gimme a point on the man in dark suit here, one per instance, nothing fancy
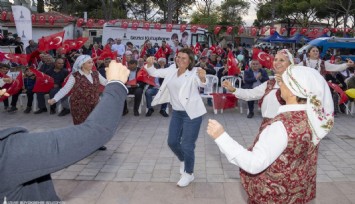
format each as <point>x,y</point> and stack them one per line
<point>27,159</point>
<point>253,77</point>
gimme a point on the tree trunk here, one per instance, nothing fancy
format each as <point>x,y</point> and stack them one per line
<point>171,5</point>
<point>40,6</point>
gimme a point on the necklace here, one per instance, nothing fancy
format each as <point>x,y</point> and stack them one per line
<point>317,64</point>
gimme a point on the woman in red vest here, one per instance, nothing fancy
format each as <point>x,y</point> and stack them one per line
<point>281,164</point>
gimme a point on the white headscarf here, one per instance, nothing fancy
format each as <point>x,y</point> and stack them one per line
<point>308,83</point>
<point>79,62</point>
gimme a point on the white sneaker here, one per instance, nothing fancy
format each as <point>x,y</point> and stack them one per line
<point>185,179</point>
<point>182,167</point>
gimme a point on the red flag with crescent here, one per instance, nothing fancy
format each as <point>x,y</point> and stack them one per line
<point>233,68</point>
<point>17,58</point>
<point>15,86</point>
<point>51,42</point>
<point>197,48</point>
<point>282,30</point>
<point>143,76</point>
<point>229,30</point>
<point>224,101</point>
<point>3,15</point>
<point>343,97</point>
<point>157,26</point>
<point>44,83</point>
<point>253,31</point>
<point>80,22</point>
<point>146,25</point>
<point>124,24</point>
<point>101,22</point>
<point>303,31</point>
<point>169,27</point>
<point>293,31</point>
<point>183,28</point>
<point>135,25</point>
<point>51,20</point>
<point>42,19</point>
<point>194,28</point>
<point>90,23</point>
<point>217,29</point>
<point>325,30</point>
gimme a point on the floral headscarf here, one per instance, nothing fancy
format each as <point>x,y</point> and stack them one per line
<point>79,62</point>
<point>287,53</point>
<point>309,84</point>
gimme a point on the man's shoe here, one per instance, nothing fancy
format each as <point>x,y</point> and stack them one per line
<point>64,112</point>
<point>28,110</point>
<point>136,113</point>
<point>163,113</point>
<point>6,108</point>
<point>12,110</point>
<point>185,179</point>
<point>103,148</point>
<point>125,112</point>
<point>150,112</point>
<point>250,115</point>
<point>52,111</point>
<point>41,111</point>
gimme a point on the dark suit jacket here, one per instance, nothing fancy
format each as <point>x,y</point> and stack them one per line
<point>249,78</point>
<point>27,159</point>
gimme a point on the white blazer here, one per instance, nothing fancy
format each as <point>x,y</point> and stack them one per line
<point>189,95</point>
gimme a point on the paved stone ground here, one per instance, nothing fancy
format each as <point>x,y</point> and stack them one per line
<point>138,166</point>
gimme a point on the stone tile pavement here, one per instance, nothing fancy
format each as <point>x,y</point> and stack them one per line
<point>138,166</point>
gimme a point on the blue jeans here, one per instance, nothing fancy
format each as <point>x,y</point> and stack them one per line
<point>149,93</point>
<point>183,133</point>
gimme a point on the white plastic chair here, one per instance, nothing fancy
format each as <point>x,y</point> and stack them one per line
<point>211,87</point>
<point>233,80</point>
<point>217,69</point>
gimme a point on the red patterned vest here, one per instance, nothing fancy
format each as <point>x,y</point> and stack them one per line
<point>84,97</point>
<point>270,86</point>
<point>292,177</point>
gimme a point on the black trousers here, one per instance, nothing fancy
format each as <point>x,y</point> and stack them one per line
<point>137,92</point>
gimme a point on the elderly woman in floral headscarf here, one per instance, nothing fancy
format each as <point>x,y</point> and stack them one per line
<point>268,92</point>
<point>83,84</point>
<point>281,165</point>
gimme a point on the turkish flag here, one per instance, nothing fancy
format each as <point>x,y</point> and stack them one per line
<point>303,31</point>
<point>169,27</point>
<point>114,21</point>
<point>34,57</point>
<point>42,19</point>
<point>95,53</point>
<point>217,29</point>
<point>44,83</point>
<point>229,30</point>
<point>241,30</point>
<point>143,76</point>
<point>347,30</point>
<point>334,30</point>
<point>17,58</point>
<point>265,59</point>
<point>233,68</point>
<point>33,18</point>
<point>51,20</point>
<point>325,30</point>
<point>3,15</point>
<point>124,60</point>
<point>80,42</point>
<point>143,51</point>
<point>253,31</point>
<point>182,27</point>
<point>15,86</point>
<point>135,25</point>
<point>224,101</point>
<point>219,50</point>
<point>204,53</point>
<point>160,53</point>
<point>272,30</point>
<point>157,26</point>
<point>293,31</point>
<point>282,30</point>
<point>51,42</point>
<point>69,45</point>
<point>146,25</point>
<point>213,48</point>
<point>197,48</point>
<point>132,82</point>
<point>107,53</point>
<point>101,22</point>
<point>124,24</point>
<point>337,89</point>
<point>194,28</point>
<point>80,22</point>
<point>90,23</point>
<point>263,30</point>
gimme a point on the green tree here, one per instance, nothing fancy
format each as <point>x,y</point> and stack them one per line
<point>40,6</point>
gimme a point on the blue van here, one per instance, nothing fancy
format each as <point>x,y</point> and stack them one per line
<point>345,47</point>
